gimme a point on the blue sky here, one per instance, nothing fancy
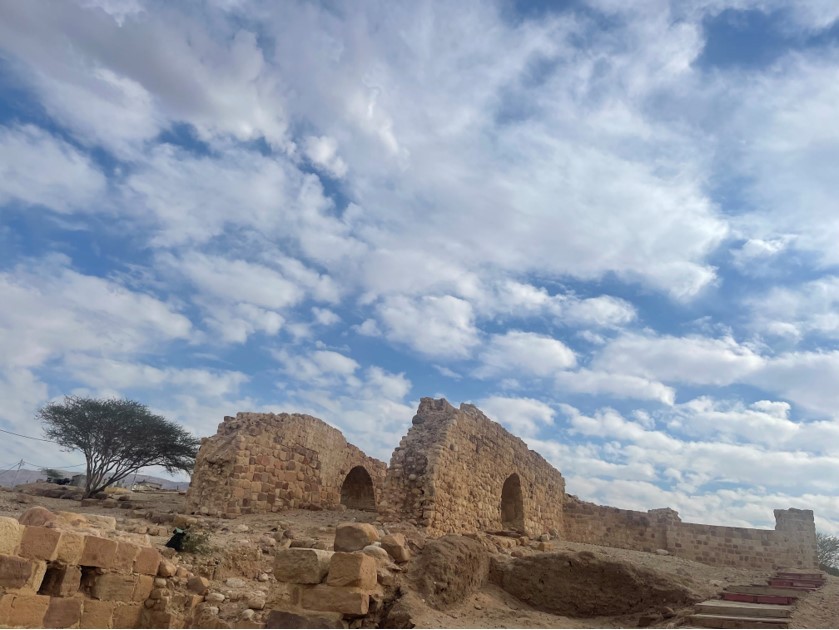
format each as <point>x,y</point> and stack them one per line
<point>610,225</point>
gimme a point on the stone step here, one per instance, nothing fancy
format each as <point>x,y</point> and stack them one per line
<point>742,609</point>
<point>724,621</point>
<point>756,598</point>
<point>809,585</point>
<point>765,589</point>
<point>795,575</point>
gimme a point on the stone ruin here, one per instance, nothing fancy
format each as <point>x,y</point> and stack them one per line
<point>457,471</point>
<point>270,462</point>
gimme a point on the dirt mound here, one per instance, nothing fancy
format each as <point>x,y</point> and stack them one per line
<point>582,584</point>
<point>450,569</point>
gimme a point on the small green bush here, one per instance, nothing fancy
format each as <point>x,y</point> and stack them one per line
<point>197,542</point>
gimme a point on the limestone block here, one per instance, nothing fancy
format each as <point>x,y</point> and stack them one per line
<point>114,587</point>
<point>39,543</point>
<point>147,561</point>
<point>198,584</point>
<point>10,534</point>
<point>143,588</point>
<point>396,546</point>
<point>124,558</point>
<point>98,552</point>
<point>63,612</point>
<point>345,600</point>
<point>70,547</point>
<point>127,615</point>
<point>61,581</point>
<point>21,573</point>
<point>283,619</point>
<point>166,569</point>
<point>301,566</point>
<point>352,569</point>
<point>26,611</point>
<point>354,536</point>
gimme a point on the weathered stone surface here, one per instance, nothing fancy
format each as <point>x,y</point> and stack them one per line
<point>10,534</point>
<point>142,588</point>
<point>70,547</point>
<point>97,614</point>
<point>348,601</point>
<point>260,463</point>
<point>20,573</point>
<point>61,581</point>
<point>396,546</point>
<point>127,615</point>
<point>147,561</point>
<point>63,612</point>
<point>39,543</point>
<point>283,619</point>
<point>166,569</point>
<point>377,553</point>
<point>98,552</point>
<point>301,566</point>
<point>37,516</point>
<point>114,587</point>
<point>24,610</point>
<point>352,569</point>
<point>198,584</point>
<point>354,536</point>
<point>125,555</point>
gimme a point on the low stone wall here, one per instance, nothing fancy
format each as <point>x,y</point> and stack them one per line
<point>792,544</point>
<point>458,471</point>
<point>269,462</point>
<point>61,578</point>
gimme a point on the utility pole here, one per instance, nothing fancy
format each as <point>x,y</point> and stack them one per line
<point>14,479</point>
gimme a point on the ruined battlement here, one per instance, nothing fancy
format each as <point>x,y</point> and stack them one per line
<point>265,462</point>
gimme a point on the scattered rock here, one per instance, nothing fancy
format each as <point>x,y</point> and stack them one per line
<point>377,553</point>
<point>396,546</point>
<point>199,585</point>
<point>264,577</point>
<point>256,601</point>
<point>241,528</point>
<point>248,614</point>
<point>662,552</point>
<point>214,597</point>
<point>354,536</point>
<point>235,582</point>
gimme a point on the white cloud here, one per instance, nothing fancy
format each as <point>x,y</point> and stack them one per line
<point>434,326</point>
<point>809,308</point>
<point>619,385</point>
<point>518,352</point>
<point>522,416</point>
<point>38,169</point>
<point>323,152</point>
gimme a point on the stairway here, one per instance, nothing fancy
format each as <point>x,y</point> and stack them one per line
<point>757,605</point>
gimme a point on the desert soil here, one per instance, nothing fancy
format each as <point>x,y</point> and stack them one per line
<point>490,607</point>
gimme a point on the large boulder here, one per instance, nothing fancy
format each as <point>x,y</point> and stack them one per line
<point>354,536</point>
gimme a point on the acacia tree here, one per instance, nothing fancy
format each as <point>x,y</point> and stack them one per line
<point>828,549</point>
<point>117,437</point>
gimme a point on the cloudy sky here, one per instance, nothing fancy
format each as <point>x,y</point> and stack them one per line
<point>613,226</point>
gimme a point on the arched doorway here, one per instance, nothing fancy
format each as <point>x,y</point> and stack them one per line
<point>512,504</point>
<point>357,490</point>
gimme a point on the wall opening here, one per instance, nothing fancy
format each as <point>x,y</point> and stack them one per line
<point>357,490</point>
<point>512,504</point>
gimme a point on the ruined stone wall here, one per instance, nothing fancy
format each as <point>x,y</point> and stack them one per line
<point>458,471</point>
<point>792,544</point>
<point>268,462</point>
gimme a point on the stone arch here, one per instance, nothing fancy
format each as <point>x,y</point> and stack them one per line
<point>512,504</point>
<point>357,491</point>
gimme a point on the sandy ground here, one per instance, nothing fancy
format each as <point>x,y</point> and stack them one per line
<point>491,607</point>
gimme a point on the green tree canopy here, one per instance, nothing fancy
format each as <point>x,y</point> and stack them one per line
<point>117,437</point>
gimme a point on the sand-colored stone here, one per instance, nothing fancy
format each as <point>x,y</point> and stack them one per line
<point>348,601</point>
<point>125,555</point>
<point>147,561</point>
<point>21,573</point>
<point>301,566</point>
<point>61,581</point>
<point>352,569</point>
<point>70,547</point>
<point>98,552</point>
<point>39,543</point>
<point>11,532</point>
<point>354,536</point>
<point>26,611</point>
<point>114,587</point>
<point>63,612</point>
<point>97,614</point>
<point>397,547</point>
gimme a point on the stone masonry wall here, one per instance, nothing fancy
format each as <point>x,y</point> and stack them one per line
<point>792,544</point>
<point>449,472</point>
<point>269,462</point>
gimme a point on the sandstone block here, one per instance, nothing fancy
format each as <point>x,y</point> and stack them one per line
<point>96,614</point>
<point>283,619</point>
<point>127,615</point>
<point>61,581</point>
<point>301,566</point>
<point>377,553</point>
<point>166,569</point>
<point>98,552</point>
<point>70,547</point>
<point>39,543</point>
<point>10,534</point>
<point>198,584</point>
<point>147,561</point>
<point>345,600</point>
<point>37,516</point>
<point>396,546</point>
<point>26,611</point>
<point>143,588</point>
<point>114,587</point>
<point>63,612</point>
<point>352,569</point>
<point>125,556</point>
<point>19,573</point>
<point>354,536</point>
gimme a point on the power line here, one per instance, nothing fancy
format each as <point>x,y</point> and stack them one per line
<point>28,437</point>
